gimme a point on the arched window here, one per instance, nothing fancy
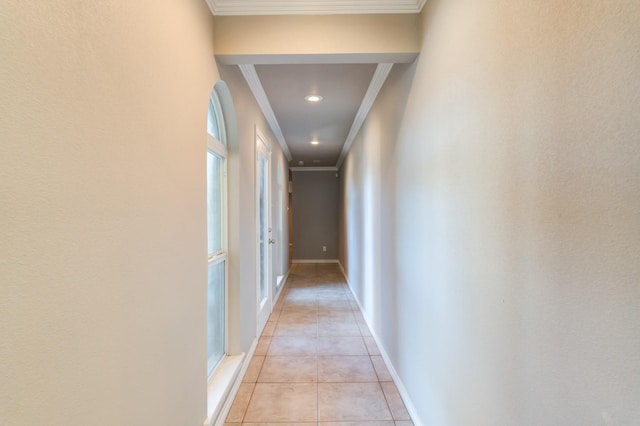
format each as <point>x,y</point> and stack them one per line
<point>215,119</point>
<point>216,234</point>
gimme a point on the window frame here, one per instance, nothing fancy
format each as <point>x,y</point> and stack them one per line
<point>219,148</point>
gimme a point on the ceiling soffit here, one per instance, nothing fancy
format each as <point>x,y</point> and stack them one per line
<point>383,33</point>
<point>343,86</point>
<point>335,143</point>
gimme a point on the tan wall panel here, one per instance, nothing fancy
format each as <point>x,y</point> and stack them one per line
<point>326,34</point>
<point>103,272</point>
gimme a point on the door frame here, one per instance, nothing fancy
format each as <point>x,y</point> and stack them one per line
<point>263,305</point>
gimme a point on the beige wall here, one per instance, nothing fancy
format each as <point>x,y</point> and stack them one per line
<point>506,197</point>
<point>102,218</point>
<point>367,212</point>
<point>264,37</point>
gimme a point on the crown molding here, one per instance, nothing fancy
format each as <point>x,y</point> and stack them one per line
<point>313,7</point>
<point>250,74</point>
<point>379,77</point>
<point>313,169</point>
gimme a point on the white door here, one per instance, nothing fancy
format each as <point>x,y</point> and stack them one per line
<point>265,238</point>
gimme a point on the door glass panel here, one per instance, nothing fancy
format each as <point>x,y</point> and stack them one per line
<point>264,237</point>
<point>215,315</point>
<point>214,203</point>
<point>263,231</point>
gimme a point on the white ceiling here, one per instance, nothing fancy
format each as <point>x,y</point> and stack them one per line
<point>313,7</point>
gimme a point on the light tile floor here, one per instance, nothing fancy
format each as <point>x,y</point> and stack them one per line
<point>316,362</point>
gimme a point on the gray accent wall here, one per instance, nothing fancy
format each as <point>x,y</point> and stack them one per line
<point>315,215</point>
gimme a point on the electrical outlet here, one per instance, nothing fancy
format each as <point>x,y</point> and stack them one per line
<point>324,248</point>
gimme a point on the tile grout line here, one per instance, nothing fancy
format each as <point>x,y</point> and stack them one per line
<point>384,394</point>
<point>317,361</point>
<point>255,384</point>
<point>316,282</point>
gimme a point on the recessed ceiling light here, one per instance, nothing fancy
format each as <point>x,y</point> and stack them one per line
<point>301,163</point>
<point>314,142</point>
<point>313,98</point>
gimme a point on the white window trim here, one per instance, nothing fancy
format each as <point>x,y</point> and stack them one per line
<point>224,380</point>
<point>218,148</point>
<point>217,110</point>
<point>220,387</point>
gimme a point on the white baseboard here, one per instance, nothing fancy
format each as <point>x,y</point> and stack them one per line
<point>279,288</point>
<point>315,261</point>
<point>394,374</point>
<point>346,277</point>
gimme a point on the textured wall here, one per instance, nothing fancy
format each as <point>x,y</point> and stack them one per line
<point>506,197</point>
<point>367,212</point>
<point>315,215</point>
<point>102,181</point>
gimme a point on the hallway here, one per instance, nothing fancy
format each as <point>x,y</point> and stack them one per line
<point>470,168</point>
<point>316,362</point>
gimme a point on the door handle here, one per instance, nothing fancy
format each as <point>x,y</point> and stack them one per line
<point>272,241</point>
